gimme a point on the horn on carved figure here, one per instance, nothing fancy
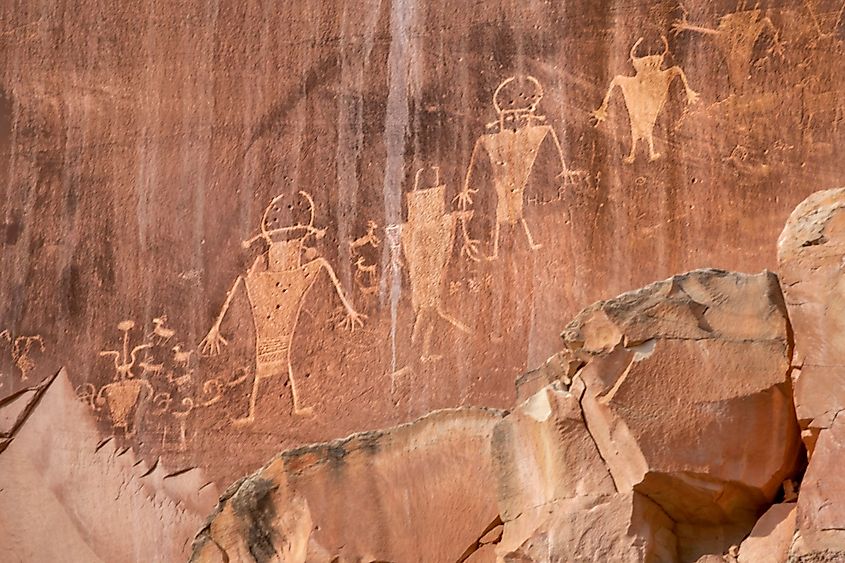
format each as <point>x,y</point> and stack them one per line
<point>633,53</point>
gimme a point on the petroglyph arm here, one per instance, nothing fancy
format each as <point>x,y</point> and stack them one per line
<point>683,24</point>
<point>114,354</point>
<point>464,198</point>
<point>469,246</point>
<point>353,318</point>
<point>565,172</point>
<point>692,95</point>
<point>210,345</point>
<point>600,114</point>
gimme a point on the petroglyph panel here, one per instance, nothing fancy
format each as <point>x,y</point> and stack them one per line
<point>200,204</point>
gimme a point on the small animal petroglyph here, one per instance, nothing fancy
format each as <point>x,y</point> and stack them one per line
<point>512,147</point>
<point>181,357</point>
<point>366,274</point>
<point>645,95</point>
<point>276,286</point>
<point>160,332</point>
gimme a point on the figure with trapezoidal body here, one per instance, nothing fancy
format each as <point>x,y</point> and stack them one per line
<point>426,240</point>
<point>276,287</point>
<point>645,94</point>
<point>512,148</point>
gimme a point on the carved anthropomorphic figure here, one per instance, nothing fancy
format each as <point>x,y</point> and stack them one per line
<point>276,286</point>
<point>735,36</point>
<point>426,240</point>
<point>645,94</point>
<point>123,395</point>
<point>512,148</point>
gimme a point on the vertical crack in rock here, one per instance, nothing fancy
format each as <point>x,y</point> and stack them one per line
<point>581,390</point>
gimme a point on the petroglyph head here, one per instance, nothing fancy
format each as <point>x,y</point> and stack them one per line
<point>648,63</point>
<point>516,100</point>
<point>291,221</point>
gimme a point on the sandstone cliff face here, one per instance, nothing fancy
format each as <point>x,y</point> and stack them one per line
<point>452,180</point>
<point>241,228</point>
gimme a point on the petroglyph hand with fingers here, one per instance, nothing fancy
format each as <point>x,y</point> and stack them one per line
<point>464,198</point>
<point>212,343</point>
<point>352,320</point>
<point>600,114</point>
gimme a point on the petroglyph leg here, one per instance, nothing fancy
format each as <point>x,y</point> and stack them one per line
<point>495,254</point>
<point>531,243</point>
<point>453,321</point>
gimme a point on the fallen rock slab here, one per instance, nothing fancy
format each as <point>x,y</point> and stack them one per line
<point>423,491</point>
<point>687,396</point>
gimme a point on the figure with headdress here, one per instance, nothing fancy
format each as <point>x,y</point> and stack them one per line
<point>512,146</point>
<point>276,286</point>
<point>645,94</point>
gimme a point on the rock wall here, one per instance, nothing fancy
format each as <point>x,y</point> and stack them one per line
<point>241,228</point>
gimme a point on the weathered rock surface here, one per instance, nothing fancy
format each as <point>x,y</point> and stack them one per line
<point>68,495</point>
<point>771,537</point>
<point>661,433</point>
<point>685,390</point>
<point>811,250</point>
<point>418,492</point>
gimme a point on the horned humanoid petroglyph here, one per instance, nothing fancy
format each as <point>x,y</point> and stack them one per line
<point>735,36</point>
<point>426,242</point>
<point>645,94</point>
<point>512,147</point>
<point>276,286</point>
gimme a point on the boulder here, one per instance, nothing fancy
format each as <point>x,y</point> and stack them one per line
<point>422,491</point>
<point>821,510</point>
<point>811,254</point>
<point>621,527</point>
<point>687,396</point>
<point>771,537</point>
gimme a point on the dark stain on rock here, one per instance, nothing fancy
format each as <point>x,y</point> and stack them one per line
<point>10,231</point>
<point>73,291</point>
<point>253,504</point>
<point>5,136</point>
